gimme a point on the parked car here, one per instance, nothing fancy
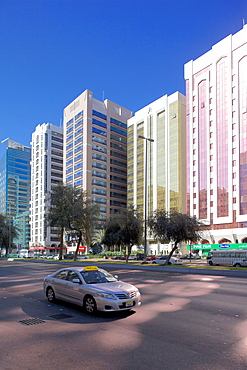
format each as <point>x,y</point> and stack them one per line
<point>83,257</point>
<point>240,263</point>
<point>91,287</point>
<point>12,255</point>
<point>133,257</point>
<point>118,257</point>
<point>69,256</point>
<point>151,258</point>
<point>190,256</point>
<point>162,260</point>
<point>38,255</point>
<point>50,256</point>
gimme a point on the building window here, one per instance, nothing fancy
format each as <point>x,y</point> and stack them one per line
<point>99,123</point>
<point>121,132</point>
<point>98,114</point>
<point>98,131</point>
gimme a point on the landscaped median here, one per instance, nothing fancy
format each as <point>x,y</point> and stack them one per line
<point>139,265</point>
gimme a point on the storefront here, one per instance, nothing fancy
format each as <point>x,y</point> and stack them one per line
<point>203,249</point>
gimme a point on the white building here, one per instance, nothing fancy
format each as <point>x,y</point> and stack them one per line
<point>46,171</point>
<point>164,122</point>
<point>216,102</point>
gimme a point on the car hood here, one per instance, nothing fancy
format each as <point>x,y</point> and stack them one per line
<point>113,287</point>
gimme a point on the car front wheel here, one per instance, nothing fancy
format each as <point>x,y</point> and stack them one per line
<point>237,265</point>
<point>50,294</point>
<point>90,304</point>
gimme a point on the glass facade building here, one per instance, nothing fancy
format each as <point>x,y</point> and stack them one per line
<point>15,188</point>
<point>163,121</point>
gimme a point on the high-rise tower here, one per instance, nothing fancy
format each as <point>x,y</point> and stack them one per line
<point>95,151</point>
<point>15,188</point>
<point>47,171</point>
<point>216,103</point>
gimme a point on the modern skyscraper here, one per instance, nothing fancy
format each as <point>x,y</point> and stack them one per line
<point>164,122</point>
<point>216,103</point>
<point>15,188</point>
<point>95,151</point>
<point>47,171</point>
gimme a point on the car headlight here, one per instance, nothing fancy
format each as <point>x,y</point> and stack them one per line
<point>106,295</point>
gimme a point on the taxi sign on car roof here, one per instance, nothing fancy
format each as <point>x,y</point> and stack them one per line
<point>90,268</point>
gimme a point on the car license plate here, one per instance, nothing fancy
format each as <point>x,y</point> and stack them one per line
<point>129,304</point>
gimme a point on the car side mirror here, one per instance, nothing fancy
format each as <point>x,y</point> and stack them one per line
<point>77,281</point>
<point>116,277</point>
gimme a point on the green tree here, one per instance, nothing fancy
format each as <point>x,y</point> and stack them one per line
<point>126,229</point>
<point>131,230</point>
<point>111,234</point>
<point>7,233</point>
<point>84,219</point>
<point>175,227</point>
<point>61,202</point>
<point>96,245</point>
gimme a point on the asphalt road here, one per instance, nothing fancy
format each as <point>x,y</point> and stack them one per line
<point>186,321</point>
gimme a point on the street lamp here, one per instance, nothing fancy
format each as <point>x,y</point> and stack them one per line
<point>145,193</point>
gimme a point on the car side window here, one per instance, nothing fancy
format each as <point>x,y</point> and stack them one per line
<point>61,275</point>
<point>72,275</point>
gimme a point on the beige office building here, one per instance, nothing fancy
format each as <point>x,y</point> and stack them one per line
<point>95,151</point>
<point>164,122</point>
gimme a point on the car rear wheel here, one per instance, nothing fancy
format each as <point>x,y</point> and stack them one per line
<point>210,263</point>
<point>89,304</point>
<point>50,294</point>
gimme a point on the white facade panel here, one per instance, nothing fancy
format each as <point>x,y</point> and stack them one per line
<point>46,171</point>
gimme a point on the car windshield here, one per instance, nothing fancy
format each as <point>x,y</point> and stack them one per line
<point>96,277</point>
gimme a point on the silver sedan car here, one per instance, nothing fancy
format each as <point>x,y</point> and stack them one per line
<point>91,287</point>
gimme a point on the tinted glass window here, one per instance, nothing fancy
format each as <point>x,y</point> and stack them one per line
<point>73,275</point>
<point>61,275</point>
<point>100,276</point>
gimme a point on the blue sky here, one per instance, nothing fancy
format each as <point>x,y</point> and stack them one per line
<point>131,52</point>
